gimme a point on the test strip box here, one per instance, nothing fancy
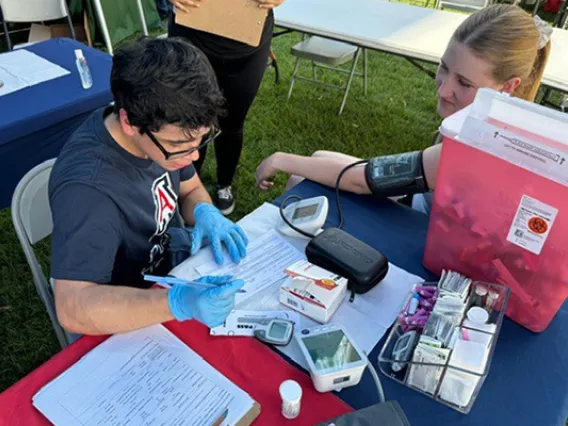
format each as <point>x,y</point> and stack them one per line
<point>500,211</point>
<point>312,291</point>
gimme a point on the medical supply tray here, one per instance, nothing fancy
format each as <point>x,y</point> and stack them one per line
<point>386,359</point>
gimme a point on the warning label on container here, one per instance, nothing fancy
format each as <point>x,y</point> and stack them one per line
<point>532,224</point>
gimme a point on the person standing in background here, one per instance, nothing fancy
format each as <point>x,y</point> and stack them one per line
<point>239,69</point>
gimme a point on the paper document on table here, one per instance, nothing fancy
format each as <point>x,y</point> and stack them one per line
<point>20,69</point>
<point>145,377</point>
<point>366,319</point>
<point>263,266</point>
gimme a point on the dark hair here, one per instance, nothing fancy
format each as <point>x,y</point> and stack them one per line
<point>160,81</point>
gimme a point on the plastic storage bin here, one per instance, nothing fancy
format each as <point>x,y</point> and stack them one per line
<point>455,387</point>
<point>500,210</point>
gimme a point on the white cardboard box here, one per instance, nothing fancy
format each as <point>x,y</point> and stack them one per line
<point>312,291</point>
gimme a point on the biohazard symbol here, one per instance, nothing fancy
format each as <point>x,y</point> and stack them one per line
<point>538,225</point>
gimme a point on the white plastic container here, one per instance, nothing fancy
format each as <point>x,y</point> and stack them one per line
<point>83,68</point>
<point>291,394</point>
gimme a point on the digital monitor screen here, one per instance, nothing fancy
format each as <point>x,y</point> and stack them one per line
<point>331,350</point>
<point>305,211</point>
<point>278,330</point>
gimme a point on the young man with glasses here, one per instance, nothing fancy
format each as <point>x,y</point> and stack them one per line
<point>117,188</point>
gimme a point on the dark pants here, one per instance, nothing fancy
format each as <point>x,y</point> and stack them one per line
<point>239,80</point>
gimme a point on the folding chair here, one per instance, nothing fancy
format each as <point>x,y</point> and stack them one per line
<point>104,27</point>
<point>329,54</point>
<point>33,11</point>
<point>31,216</point>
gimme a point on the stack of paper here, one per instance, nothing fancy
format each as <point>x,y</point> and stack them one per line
<point>146,377</point>
<point>20,69</point>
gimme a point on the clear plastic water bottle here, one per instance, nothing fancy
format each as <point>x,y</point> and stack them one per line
<point>83,68</point>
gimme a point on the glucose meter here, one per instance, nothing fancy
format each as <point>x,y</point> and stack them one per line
<point>308,215</point>
<point>334,360</point>
<point>275,332</point>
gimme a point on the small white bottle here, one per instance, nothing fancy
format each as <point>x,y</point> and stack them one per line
<point>83,68</point>
<point>291,394</point>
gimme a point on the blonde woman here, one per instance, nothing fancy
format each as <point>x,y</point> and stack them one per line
<point>501,47</point>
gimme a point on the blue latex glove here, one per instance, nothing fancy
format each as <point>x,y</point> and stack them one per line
<point>211,224</point>
<point>209,306</point>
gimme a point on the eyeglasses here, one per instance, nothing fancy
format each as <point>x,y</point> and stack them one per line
<point>213,134</point>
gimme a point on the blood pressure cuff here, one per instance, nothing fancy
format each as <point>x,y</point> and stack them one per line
<point>398,174</point>
<point>387,413</point>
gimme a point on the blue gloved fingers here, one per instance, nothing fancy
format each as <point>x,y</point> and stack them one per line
<point>222,305</point>
<point>226,291</point>
<point>241,245</point>
<point>182,301</point>
<point>212,279</point>
<point>196,240</point>
<point>242,234</point>
<point>217,250</point>
<point>232,248</point>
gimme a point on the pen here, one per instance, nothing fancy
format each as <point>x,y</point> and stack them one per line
<point>179,281</point>
<point>222,418</point>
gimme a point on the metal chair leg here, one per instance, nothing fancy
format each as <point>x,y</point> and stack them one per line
<point>314,71</point>
<point>142,17</point>
<point>348,86</point>
<point>365,81</point>
<point>103,24</point>
<point>69,21</point>
<point>6,34</point>
<point>293,76</point>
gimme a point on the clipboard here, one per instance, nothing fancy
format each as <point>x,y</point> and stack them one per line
<point>247,419</point>
<point>251,416</point>
<point>240,20</point>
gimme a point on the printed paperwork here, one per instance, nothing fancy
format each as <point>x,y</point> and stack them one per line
<point>366,319</point>
<point>20,69</point>
<point>267,257</point>
<point>145,377</point>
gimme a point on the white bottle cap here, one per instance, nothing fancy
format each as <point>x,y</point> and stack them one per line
<point>79,54</point>
<point>290,391</point>
<point>477,315</point>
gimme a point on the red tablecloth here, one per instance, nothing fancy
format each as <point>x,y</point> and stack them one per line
<point>254,367</point>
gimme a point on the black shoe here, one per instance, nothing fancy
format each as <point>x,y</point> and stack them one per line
<point>225,201</point>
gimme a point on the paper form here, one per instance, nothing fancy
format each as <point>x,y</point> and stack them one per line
<point>146,377</point>
<point>21,68</point>
<point>366,319</point>
<point>264,264</point>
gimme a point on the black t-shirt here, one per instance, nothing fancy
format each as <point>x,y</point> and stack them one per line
<point>218,47</point>
<point>110,209</point>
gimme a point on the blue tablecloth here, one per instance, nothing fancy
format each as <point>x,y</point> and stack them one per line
<point>35,122</point>
<point>528,380</point>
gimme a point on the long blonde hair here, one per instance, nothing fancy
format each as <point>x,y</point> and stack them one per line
<point>508,38</point>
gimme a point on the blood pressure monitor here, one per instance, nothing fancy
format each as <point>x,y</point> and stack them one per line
<point>308,215</point>
<point>334,360</point>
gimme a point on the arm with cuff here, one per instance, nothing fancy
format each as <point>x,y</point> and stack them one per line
<point>323,170</point>
<point>384,176</point>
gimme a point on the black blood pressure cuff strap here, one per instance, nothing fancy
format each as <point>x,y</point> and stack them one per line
<point>398,174</point>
